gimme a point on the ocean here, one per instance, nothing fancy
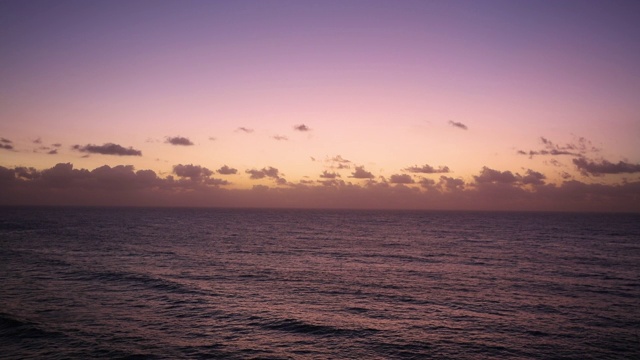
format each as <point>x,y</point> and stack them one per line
<point>174,283</point>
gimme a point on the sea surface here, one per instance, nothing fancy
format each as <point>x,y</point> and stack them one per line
<point>88,283</point>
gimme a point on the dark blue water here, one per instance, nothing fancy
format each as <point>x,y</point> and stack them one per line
<point>242,284</point>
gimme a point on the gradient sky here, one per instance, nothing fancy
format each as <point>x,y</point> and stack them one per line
<point>407,104</point>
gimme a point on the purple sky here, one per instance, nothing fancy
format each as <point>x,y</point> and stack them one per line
<point>526,104</point>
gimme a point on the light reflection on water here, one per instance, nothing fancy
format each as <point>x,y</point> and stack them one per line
<point>192,283</point>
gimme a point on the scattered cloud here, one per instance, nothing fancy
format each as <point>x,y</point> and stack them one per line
<point>244,130</point>
<point>604,167</point>
<point>6,144</point>
<point>280,138</point>
<point>401,179</point>
<point>225,170</point>
<point>107,149</point>
<point>361,173</point>
<point>458,125</point>
<point>555,163</point>
<point>198,175</point>
<point>194,172</point>
<point>329,175</point>
<point>178,140</point>
<point>339,159</point>
<point>37,141</point>
<point>427,169</point>
<point>488,175</point>
<point>579,147</point>
<point>211,138</point>
<point>301,127</point>
<point>338,162</point>
<point>491,176</point>
<point>56,145</point>
<point>268,172</point>
<point>53,152</point>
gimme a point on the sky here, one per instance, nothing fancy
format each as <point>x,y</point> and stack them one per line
<point>456,105</point>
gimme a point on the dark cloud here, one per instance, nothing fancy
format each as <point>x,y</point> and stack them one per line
<point>6,141</point>
<point>119,185</point>
<point>401,179</point>
<point>458,125</point>
<point>491,176</point>
<point>53,152</point>
<point>280,138</point>
<point>427,183</point>
<point>269,172</point>
<point>7,175</point>
<point>124,186</point>
<point>192,177</point>
<point>533,178</point>
<point>427,169</point>
<point>245,130</point>
<point>56,145</point>
<point>301,127</point>
<point>604,167</point>
<point>329,175</point>
<point>194,172</point>
<point>255,174</point>
<point>178,140</point>
<point>27,173</point>
<point>108,149</point>
<point>211,138</point>
<point>451,184</point>
<point>62,184</point>
<point>361,173</point>
<point>488,175</point>
<point>37,141</point>
<point>117,177</point>
<point>225,170</point>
